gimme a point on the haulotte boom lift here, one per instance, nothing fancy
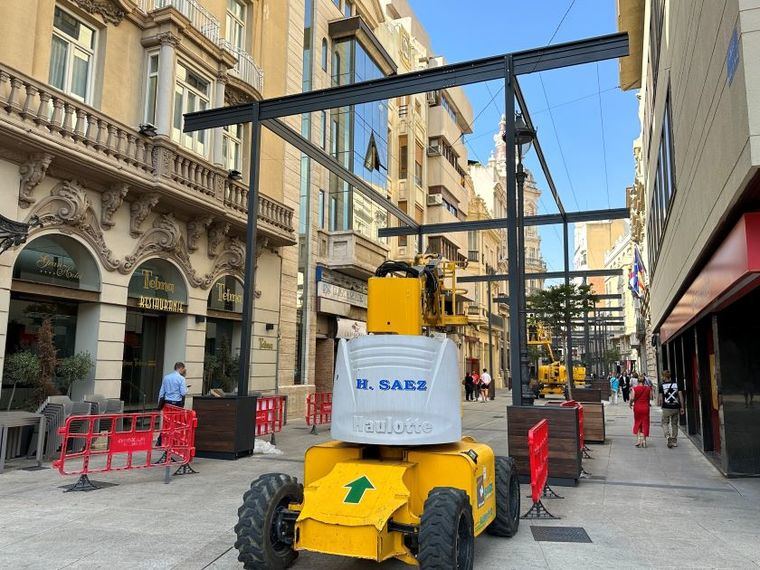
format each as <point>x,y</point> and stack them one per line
<point>399,480</point>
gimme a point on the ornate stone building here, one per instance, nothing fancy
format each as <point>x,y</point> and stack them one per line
<point>139,257</point>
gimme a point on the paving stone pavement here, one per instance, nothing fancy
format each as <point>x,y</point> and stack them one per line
<point>642,508</point>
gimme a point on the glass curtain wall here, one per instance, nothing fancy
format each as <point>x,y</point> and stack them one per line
<point>359,141</point>
<point>304,210</point>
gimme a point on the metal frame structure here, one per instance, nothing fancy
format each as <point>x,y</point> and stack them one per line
<point>507,67</point>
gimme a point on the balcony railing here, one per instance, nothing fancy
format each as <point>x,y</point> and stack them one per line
<point>74,131</point>
<point>246,69</point>
<point>204,21</point>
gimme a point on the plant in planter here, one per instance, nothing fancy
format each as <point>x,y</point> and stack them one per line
<point>73,368</point>
<point>21,367</point>
<point>48,355</point>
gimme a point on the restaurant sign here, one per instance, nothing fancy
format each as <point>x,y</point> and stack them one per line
<point>157,286</point>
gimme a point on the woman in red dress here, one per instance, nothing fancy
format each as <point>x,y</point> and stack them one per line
<point>640,405</point>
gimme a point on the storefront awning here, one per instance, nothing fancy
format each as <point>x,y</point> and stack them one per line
<point>733,270</point>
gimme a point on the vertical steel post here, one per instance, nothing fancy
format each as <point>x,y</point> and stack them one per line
<point>568,327</point>
<point>513,261</point>
<point>249,278</point>
<point>492,388</point>
<point>586,345</point>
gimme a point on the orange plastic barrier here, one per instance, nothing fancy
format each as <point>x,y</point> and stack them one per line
<point>121,442</point>
<point>269,415</point>
<point>318,408</point>
<point>538,452</point>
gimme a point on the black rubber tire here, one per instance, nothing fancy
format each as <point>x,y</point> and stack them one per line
<point>446,538</point>
<point>507,519</point>
<point>258,546</point>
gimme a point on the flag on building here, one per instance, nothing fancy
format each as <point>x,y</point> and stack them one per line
<point>637,277</point>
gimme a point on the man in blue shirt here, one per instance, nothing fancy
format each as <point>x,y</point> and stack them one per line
<point>173,387</point>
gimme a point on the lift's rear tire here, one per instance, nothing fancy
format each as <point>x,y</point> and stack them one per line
<point>507,518</point>
<point>260,543</point>
<point>446,538</point>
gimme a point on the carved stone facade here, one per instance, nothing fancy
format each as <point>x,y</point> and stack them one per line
<point>32,172</point>
<point>111,201</point>
<point>109,10</point>
<point>139,210</point>
<point>216,236</point>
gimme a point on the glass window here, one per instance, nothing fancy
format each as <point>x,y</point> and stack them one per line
<point>403,157</point>
<point>337,3</point>
<point>191,93</point>
<point>418,152</point>
<point>324,54</point>
<point>151,89</point>
<point>323,124</point>
<point>57,260</point>
<point>236,24</point>
<point>232,143</point>
<point>72,52</point>
<point>348,9</point>
<point>321,210</point>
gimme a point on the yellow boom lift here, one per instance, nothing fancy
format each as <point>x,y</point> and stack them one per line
<point>399,480</point>
<point>552,377</point>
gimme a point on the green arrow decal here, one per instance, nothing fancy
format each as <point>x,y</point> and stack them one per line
<point>356,489</point>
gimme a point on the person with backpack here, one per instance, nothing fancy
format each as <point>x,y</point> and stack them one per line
<point>469,387</point>
<point>670,399</point>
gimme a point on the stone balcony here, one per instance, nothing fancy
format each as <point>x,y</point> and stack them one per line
<point>351,253</point>
<point>37,119</point>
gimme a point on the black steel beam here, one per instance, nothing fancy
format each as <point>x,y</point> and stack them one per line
<point>611,296</point>
<point>475,71</point>
<point>539,151</point>
<point>317,154</point>
<point>542,275</point>
<point>499,223</point>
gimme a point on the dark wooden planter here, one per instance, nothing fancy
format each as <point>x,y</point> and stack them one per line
<point>593,422</point>
<point>603,386</point>
<point>587,395</point>
<point>564,453</point>
<point>226,426</point>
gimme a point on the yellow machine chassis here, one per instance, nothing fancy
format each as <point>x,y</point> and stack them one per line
<point>398,480</point>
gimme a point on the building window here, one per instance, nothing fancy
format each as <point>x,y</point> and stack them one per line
<point>232,143</point>
<point>449,108</point>
<point>337,3</point>
<point>321,210</point>
<point>236,23</point>
<point>663,188</point>
<point>191,93</point>
<point>348,9</point>
<point>418,152</point>
<point>72,52</point>
<point>450,207</point>
<point>403,158</point>
<point>151,89</point>
<point>323,124</point>
<point>324,54</point>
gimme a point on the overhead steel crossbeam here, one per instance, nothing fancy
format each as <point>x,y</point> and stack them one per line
<point>313,151</point>
<point>606,296</point>
<point>542,275</point>
<point>539,151</point>
<point>499,223</point>
<point>529,61</point>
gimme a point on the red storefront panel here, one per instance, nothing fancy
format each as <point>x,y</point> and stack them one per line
<point>733,270</point>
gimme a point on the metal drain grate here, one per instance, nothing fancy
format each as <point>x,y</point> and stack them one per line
<point>559,534</point>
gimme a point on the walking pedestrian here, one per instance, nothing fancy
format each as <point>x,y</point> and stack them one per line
<point>640,405</point>
<point>625,387</point>
<point>614,388</point>
<point>173,391</point>
<point>670,398</point>
<point>476,386</point>
<point>469,387</point>
<point>485,385</point>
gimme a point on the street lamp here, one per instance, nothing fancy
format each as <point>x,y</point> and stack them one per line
<point>524,137</point>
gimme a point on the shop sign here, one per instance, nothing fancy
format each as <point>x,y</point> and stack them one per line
<point>348,328</point>
<point>265,344</point>
<point>226,295</point>
<point>157,286</point>
<point>53,260</point>
<point>341,294</point>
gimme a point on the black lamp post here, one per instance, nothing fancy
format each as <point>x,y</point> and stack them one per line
<point>524,136</point>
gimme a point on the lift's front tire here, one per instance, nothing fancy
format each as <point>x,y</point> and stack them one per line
<point>507,518</point>
<point>446,539</point>
<point>260,541</point>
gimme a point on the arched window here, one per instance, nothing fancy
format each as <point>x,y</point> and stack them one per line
<point>324,54</point>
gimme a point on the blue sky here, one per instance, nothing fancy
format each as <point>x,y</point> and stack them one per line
<point>479,28</point>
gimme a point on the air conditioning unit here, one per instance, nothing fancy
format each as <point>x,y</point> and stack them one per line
<point>434,150</point>
<point>432,97</point>
<point>434,200</point>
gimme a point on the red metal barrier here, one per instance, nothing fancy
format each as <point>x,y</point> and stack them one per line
<point>120,442</point>
<point>574,404</point>
<point>318,409</point>
<point>538,451</point>
<point>269,415</point>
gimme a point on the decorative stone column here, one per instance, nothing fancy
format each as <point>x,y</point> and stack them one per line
<point>166,73</point>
